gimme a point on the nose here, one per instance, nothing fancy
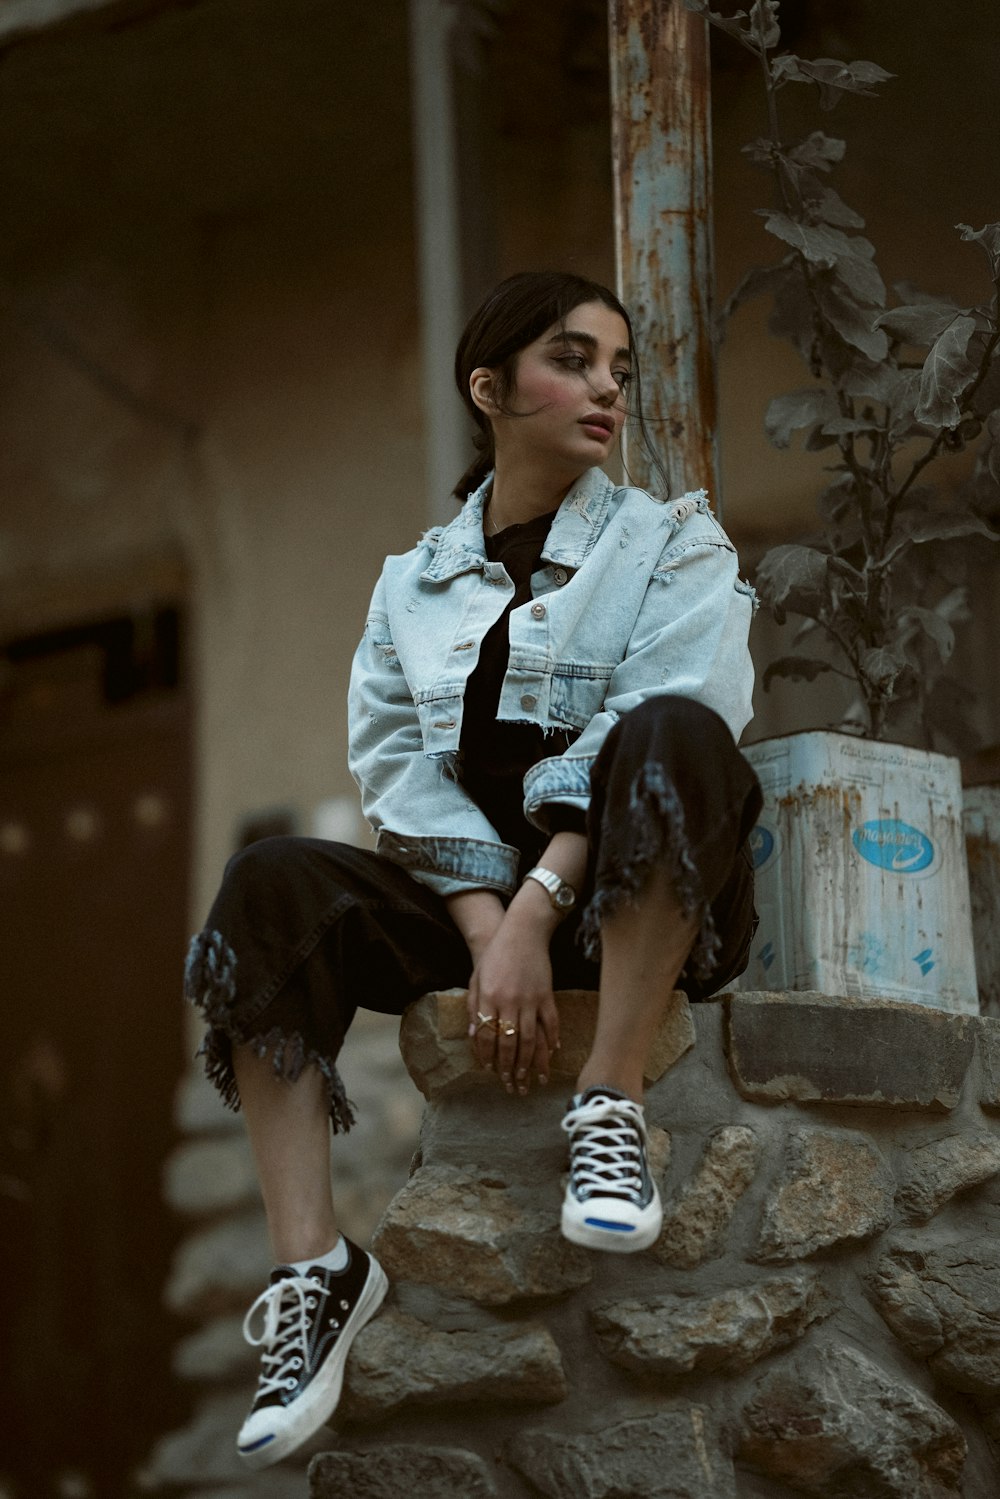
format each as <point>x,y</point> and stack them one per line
<point>606,387</point>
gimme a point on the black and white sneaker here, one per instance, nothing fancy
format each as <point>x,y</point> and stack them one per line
<point>611,1199</point>
<point>310,1322</point>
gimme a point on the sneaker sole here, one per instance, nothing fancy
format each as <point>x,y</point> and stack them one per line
<point>597,1224</point>
<point>323,1396</point>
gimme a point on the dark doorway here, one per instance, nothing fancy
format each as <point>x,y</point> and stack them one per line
<point>95,777</point>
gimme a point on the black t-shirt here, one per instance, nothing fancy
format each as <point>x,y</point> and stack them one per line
<point>494,756</point>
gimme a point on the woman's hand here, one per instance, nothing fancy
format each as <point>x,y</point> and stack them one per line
<point>512,984</point>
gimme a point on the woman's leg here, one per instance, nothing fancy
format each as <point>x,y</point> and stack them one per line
<point>673,802</point>
<point>644,948</point>
<point>289,1129</point>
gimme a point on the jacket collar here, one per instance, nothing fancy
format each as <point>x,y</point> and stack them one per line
<point>577,525</point>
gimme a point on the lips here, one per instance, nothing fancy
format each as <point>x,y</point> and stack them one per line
<point>598,419</point>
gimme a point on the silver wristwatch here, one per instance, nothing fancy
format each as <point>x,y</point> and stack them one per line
<point>562,895</point>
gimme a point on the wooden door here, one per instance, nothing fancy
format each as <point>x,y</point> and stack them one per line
<point>94,855</point>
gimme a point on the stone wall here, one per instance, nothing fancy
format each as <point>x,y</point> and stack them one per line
<point>821,1314</point>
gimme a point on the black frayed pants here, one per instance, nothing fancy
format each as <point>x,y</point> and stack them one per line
<point>303,931</point>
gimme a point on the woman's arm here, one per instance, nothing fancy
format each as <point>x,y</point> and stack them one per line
<point>512,976</point>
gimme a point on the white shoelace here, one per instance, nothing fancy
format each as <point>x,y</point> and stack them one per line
<point>285,1337</point>
<point>606,1139</point>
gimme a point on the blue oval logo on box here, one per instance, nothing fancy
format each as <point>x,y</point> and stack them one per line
<point>890,844</point>
<point>761,845</point>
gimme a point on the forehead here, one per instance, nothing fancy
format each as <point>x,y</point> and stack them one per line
<point>596,322</point>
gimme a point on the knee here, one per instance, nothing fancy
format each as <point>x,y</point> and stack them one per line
<point>257,861</point>
<point>667,720</point>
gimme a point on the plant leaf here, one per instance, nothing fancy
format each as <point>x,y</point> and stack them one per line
<point>946,374</point>
<point>832,77</point>
<point>881,666</point>
<point>817,243</point>
<point>800,408</point>
<point>852,322</point>
<point>818,151</point>
<point>930,623</point>
<point>764,23</point>
<point>988,237</point>
<point>757,282</point>
<point>793,576</point>
<point>918,324</point>
<point>830,208</point>
<point>859,274</point>
<point>911,529</point>
<point>796,668</point>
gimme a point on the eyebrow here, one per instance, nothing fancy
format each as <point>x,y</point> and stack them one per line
<point>566,336</point>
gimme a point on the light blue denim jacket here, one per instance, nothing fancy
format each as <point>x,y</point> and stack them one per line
<point>634,597</point>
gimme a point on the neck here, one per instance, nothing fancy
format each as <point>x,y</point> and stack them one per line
<point>520,493</point>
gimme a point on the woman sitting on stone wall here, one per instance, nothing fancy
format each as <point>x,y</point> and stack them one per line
<point>543,719</point>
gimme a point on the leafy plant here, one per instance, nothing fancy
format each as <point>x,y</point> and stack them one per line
<point>892,389</point>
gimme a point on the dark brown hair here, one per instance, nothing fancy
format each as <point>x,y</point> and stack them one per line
<point>513,315</point>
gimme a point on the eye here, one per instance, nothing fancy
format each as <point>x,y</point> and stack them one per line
<point>623,378</point>
<point>573,361</point>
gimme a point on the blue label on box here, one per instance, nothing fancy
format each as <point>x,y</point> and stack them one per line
<point>890,844</point>
<point>761,845</point>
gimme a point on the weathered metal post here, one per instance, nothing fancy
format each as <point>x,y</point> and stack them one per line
<point>661,150</point>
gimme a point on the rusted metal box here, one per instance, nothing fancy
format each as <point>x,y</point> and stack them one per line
<point>982,841</point>
<point>861,875</point>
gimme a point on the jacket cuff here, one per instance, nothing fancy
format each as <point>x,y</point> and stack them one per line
<point>450,865</point>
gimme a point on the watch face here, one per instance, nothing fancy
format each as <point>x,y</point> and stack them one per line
<point>564,897</point>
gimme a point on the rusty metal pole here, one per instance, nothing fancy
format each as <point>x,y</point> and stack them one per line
<point>662,164</point>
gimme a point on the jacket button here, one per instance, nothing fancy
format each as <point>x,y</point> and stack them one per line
<point>538,611</point>
<point>560,575</point>
<point>529,701</point>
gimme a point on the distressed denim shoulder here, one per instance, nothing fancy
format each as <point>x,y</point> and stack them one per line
<point>634,597</point>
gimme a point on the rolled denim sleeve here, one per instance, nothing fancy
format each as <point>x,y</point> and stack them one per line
<point>691,639</point>
<point>422,817</point>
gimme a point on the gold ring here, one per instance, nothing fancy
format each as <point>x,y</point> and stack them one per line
<point>508,1029</point>
<point>489,1022</point>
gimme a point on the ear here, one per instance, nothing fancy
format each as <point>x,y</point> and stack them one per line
<point>481,390</point>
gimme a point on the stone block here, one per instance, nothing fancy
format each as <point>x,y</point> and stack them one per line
<point>943,1304</point>
<point>214,1175</point>
<point>433,1039</point>
<point>390,1471</point>
<point>469,1234</point>
<point>935,1171</point>
<point>725,1331</point>
<point>696,1225</point>
<point>835,1189</point>
<point>831,1422</point>
<point>398,1361</point>
<point>220,1268</point>
<point>988,1048</point>
<point>813,1048</point>
<point>674,1454</point>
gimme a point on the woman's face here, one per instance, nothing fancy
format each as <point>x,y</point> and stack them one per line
<point>567,405</point>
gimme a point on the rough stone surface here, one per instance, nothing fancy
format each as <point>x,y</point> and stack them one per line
<point>836,1188</point>
<point>389,1472</point>
<point>726,1331</point>
<point>944,1306</point>
<point>220,1268</point>
<point>988,1048</point>
<point>672,1455</point>
<point>833,1423</point>
<point>397,1360</point>
<point>218,1351</point>
<point>696,1225</point>
<point>435,1045</point>
<point>934,1172</point>
<point>461,1232</point>
<point>211,1176</point>
<point>813,1048</point>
